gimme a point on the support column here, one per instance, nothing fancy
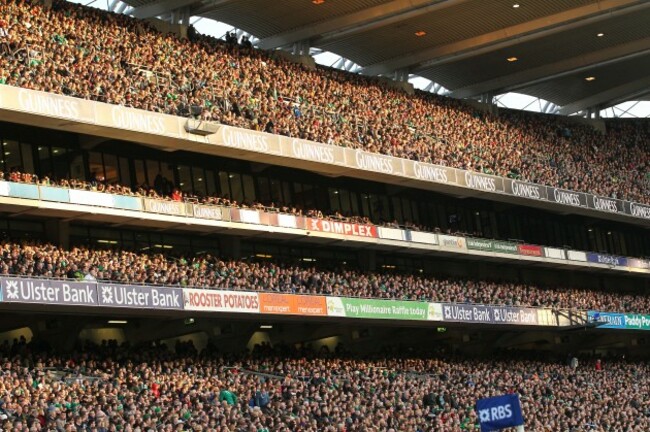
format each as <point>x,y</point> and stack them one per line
<point>57,232</point>
<point>401,75</point>
<point>301,48</point>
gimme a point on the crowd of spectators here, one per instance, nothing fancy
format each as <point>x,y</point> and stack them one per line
<point>209,271</point>
<point>151,389</point>
<point>87,53</point>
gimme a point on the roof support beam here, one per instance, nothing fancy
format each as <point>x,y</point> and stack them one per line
<point>609,97</point>
<point>555,70</point>
<point>355,22</point>
<point>160,7</point>
<point>510,36</point>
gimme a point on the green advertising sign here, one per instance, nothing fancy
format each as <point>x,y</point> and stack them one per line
<point>492,246</point>
<point>505,247</point>
<point>479,244</point>
<point>379,309</point>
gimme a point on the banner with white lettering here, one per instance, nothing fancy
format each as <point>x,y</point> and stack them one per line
<point>609,205</point>
<point>525,190</point>
<point>172,208</point>
<point>208,212</point>
<point>567,197</point>
<point>499,412</point>
<point>53,292</point>
<point>481,182</point>
<point>469,313</point>
<point>140,296</point>
<point>606,259</point>
<point>221,301</point>
<point>344,228</point>
<point>317,152</point>
<point>430,173</point>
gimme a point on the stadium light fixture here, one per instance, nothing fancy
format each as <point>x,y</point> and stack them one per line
<point>600,34</point>
<point>516,5</point>
<point>266,326</point>
<point>512,59</point>
<point>318,2</point>
<point>420,33</point>
<point>590,78</point>
<point>117,321</point>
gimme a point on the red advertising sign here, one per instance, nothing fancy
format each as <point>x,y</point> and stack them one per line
<point>345,228</point>
<point>290,304</point>
<point>530,250</point>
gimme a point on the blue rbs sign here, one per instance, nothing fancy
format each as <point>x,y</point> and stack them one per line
<point>499,412</point>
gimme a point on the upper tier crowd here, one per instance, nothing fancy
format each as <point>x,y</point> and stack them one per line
<point>209,271</point>
<point>151,390</point>
<point>164,189</point>
<point>91,54</point>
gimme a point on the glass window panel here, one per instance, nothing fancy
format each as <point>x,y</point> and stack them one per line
<point>61,163</point>
<point>354,203</point>
<point>198,176</point>
<point>335,202</point>
<point>44,161</point>
<point>140,177</point>
<point>382,208</point>
<point>297,195</point>
<point>77,167</point>
<point>28,158</point>
<point>286,193</point>
<point>236,187</point>
<point>125,172</point>
<point>153,169</point>
<point>308,196</point>
<point>276,191</point>
<point>264,190</point>
<point>96,164</point>
<point>210,183</point>
<point>397,209</point>
<point>345,202</point>
<point>184,178</point>
<point>111,168</point>
<point>11,155</point>
<point>224,184</point>
<point>249,188</point>
<point>366,204</point>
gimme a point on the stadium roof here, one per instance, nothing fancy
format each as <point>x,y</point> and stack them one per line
<point>577,54</point>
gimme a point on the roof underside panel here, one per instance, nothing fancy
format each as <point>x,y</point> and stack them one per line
<point>575,87</point>
<point>565,47</point>
<point>264,18</point>
<point>460,21</point>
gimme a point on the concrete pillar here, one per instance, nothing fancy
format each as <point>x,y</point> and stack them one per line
<point>301,48</point>
<point>401,75</point>
<point>57,232</point>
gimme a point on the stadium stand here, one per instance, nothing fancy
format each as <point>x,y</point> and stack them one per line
<point>83,52</point>
<point>569,339</point>
<point>208,271</point>
<point>114,387</point>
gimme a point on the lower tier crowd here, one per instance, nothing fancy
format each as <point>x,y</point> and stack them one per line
<point>113,388</point>
<point>208,271</point>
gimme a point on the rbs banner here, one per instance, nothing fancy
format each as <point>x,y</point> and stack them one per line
<point>499,412</point>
